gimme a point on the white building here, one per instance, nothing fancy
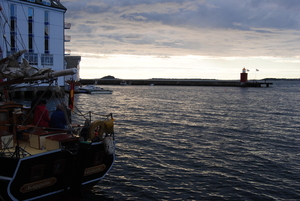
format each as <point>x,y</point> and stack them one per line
<point>37,26</point>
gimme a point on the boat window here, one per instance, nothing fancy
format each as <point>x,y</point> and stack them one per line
<point>98,158</point>
<point>59,166</point>
<point>37,172</point>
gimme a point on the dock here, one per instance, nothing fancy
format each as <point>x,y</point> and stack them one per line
<point>177,82</point>
<point>28,93</point>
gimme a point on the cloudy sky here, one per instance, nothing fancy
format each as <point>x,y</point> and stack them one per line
<point>140,39</point>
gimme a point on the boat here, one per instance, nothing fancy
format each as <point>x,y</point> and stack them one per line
<point>91,89</point>
<point>124,83</point>
<point>46,163</point>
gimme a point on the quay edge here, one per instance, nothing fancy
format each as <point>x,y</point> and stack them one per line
<point>177,82</point>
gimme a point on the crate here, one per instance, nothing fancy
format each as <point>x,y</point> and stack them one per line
<point>38,140</point>
<point>54,142</point>
<point>6,140</point>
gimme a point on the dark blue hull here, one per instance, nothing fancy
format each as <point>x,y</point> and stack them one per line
<point>54,173</point>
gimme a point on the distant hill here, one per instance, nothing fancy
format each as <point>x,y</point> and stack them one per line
<point>108,77</point>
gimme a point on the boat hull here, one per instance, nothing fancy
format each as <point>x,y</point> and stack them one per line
<point>90,89</point>
<point>55,173</point>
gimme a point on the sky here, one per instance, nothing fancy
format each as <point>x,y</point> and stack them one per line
<point>205,39</point>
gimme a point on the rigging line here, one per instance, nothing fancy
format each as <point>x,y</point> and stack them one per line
<point>34,41</point>
<point>6,43</point>
<point>80,113</point>
<point>101,115</point>
<point>61,101</point>
<point>2,11</point>
<point>10,28</point>
<point>21,41</point>
<point>3,29</point>
<point>23,122</point>
<point>31,110</point>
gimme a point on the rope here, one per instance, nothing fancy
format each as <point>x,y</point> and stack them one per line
<point>3,29</point>
<point>17,30</point>
<point>61,96</point>
<point>100,115</point>
<point>18,38</point>
<point>87,116</point>
<point>31,111</point>
<point>37,102</point>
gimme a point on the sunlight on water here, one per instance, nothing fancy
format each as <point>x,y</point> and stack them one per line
<point>202,143</point>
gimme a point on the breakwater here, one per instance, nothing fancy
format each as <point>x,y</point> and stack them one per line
<point>176,82</point>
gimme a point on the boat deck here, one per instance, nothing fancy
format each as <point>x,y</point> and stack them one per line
<point>25,150</point>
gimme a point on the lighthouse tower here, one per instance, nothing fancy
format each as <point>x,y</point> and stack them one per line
<point>244,76</point>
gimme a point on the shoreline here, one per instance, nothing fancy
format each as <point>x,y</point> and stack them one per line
<point>177,82</point>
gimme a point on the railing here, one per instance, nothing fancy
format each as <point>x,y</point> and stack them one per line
<point>67,52</point>
<point>67,25</point>
<point>67,38</point>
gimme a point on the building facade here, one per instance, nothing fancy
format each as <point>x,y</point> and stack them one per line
<point>37,26</point>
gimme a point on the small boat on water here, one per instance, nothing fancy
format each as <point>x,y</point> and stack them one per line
<point>91,89</point>
<point>46,163</point>
<point>124,83</point>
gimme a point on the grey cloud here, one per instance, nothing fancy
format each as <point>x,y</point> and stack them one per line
<point>223,14</point>
<point>212,14</point>
<point>263,31</point>
<point>83,28</point>
<point>91,22</point>
<point>132,36</point>
<point>109,28</point>
<point>186,27</point>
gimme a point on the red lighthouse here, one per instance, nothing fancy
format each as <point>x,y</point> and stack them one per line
<point>244,76</point>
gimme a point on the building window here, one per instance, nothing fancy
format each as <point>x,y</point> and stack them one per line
<point>46,45</point>
<point>30,29</point>
<point>46,31</point>
<point>13,11</point>
<point>46,2</point>
<point>46,16</point>
<point>13,24</point>
<point>30,43</point>
<point>47,59</point>
<point>31,57</point>
<point>30,14</point>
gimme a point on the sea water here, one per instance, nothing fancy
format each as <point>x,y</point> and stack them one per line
<point>201,143</point>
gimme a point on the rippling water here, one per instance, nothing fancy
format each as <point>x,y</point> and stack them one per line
<point>202,143</point>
